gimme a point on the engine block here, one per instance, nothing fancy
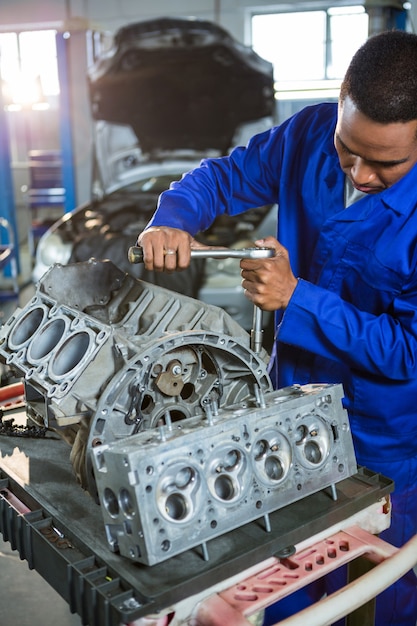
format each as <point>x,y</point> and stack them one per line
<point>106,355</point>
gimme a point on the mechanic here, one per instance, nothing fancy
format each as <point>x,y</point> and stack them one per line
<point>343,280</point>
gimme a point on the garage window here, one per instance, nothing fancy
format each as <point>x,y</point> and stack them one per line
<point>28,68</point>
<point>310,50</point>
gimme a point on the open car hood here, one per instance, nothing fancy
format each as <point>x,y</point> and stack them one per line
<point>181,84</point>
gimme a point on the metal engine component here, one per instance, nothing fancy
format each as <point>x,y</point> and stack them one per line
<point>105,356</point>
<point>135,253</point>
<point>174,425</point>
<point>170,489</point>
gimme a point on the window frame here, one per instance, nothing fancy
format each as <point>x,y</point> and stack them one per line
<point>46,97</point>
<point>324,88</point>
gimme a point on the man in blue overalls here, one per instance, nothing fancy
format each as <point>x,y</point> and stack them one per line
<point>343,281</point>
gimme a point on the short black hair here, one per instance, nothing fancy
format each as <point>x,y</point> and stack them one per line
<point>382,77</point>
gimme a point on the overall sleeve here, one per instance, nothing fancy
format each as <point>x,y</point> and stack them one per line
<point>271,169</point>
<point>323,323</point>
<point>247,178</point>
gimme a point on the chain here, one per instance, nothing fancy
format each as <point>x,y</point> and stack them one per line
<point>9,429</point>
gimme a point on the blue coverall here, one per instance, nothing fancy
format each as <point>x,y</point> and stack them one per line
<point>353,315</point>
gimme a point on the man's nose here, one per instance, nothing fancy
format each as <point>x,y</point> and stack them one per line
<point>362,172</point>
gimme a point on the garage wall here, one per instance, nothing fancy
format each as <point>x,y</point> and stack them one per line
<point>111,14</point>
<point>78,16</point>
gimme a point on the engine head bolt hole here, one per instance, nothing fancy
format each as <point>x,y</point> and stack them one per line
<point>165,545</point>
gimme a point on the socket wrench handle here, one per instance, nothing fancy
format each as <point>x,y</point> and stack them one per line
<point>135,253</point>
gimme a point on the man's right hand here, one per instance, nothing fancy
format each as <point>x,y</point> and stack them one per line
<point>166,249</point>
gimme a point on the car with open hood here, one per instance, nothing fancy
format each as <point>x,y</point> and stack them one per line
<point>166,94</point>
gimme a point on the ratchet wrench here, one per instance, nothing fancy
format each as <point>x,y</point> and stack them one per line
<point>135,255</point>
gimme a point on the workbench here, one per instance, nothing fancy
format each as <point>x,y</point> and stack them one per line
<point>58,529</point>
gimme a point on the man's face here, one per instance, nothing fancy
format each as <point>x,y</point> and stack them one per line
<point>373,155</point>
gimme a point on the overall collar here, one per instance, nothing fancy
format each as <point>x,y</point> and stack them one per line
<point>401,197</point>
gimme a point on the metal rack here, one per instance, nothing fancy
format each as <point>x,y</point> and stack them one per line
<point>57,528</point>
<point>46,194</point>
<point>8,260</point>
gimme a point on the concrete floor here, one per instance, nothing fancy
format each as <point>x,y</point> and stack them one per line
<point>25,598</point>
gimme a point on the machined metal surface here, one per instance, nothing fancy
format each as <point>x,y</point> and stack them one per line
<point>170,489</point>
<point>108,355</point>
<point>62,538</point>
<point>174,426</point>
<point>135,253</point>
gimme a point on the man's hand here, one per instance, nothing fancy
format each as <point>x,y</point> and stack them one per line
<point>166,249</point>
<point>269,283</point>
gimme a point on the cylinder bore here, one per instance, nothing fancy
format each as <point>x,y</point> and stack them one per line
<point>26,326</point>
<point>47,339</point>
<point>69,354</point>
